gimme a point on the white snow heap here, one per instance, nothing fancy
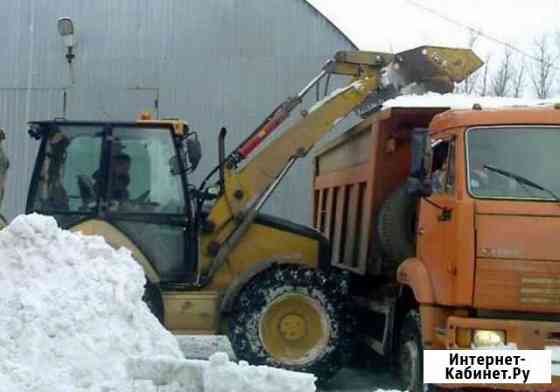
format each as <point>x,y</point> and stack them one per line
<point>461,101</point>
<point>72,319</point>
<point>71,311</point>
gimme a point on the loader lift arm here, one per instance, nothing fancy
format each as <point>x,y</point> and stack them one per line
<point>376,76</point>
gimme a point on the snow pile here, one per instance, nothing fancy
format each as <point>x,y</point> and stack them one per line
<point>461,101</point>
<point>72,319</point>
<point>71,311</point>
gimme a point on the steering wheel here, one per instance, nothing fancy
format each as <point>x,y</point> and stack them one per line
<point>143,201</point>
<point>143,198</point>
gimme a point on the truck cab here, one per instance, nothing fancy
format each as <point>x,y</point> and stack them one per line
<point>487,234</point>
<point>467,260</point>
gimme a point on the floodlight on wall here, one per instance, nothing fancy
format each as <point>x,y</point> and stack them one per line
<point>67,32</point>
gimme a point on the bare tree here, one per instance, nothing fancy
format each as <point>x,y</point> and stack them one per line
<point>504,78</point>
<point>484,83</point>
<point>543,72</point>
<point>469,85</point>
<point>519,81</point>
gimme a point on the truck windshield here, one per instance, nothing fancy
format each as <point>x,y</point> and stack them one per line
<point>529,152</point>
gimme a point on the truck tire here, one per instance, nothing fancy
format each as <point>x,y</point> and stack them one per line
<point>291,317</point>
<point>411,356</point>
<point>152,298</point>
<point>396,228</point>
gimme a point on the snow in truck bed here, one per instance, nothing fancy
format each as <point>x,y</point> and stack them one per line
<point>461,101</point>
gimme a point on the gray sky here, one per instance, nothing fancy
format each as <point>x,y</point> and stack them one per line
<point>399,25</point>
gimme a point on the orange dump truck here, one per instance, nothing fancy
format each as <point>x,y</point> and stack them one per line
<point>450,223</point>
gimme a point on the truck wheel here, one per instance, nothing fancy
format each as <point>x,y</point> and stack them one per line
<point>411,356</point>
<point>152,298</point>
<point>290,317</point>
<point>396,228</point>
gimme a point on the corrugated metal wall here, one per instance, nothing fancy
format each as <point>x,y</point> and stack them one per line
<point>212,62</point>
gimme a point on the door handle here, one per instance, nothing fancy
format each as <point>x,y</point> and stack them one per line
<point>445,215</point>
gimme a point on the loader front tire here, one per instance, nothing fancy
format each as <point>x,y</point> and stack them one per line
<point>290,317</point>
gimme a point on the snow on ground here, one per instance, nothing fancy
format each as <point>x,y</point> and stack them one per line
<point>72,319</point>
<point>461,101</point>
<point>204,346</point>
<point>220,375</point>
<point>369,376</point>
<point>555,356</point>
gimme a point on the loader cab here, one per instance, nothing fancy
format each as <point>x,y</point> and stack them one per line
<point>132,176</point>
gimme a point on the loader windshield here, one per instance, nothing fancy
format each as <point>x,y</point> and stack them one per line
<point>126,169</point>
<point>529,152</point>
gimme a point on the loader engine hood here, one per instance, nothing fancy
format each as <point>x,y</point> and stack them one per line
<point>305,231</point>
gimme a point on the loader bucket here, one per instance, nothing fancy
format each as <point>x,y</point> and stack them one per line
<point>419,70</point>
<point>432,65</point>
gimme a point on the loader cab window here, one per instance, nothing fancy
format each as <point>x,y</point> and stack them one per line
<point>70,155</point>
<point>140,178</point>
<point>142,193</point>
<point>443,167</point>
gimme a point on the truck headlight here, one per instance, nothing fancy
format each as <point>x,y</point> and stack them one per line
<point>487,338</point>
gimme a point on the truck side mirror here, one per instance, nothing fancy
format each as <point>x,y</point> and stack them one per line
<point>419,188</point>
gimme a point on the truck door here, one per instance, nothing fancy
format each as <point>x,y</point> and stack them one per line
<point>437,227</point>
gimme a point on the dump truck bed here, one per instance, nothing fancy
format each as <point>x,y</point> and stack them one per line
<point>354,173</point>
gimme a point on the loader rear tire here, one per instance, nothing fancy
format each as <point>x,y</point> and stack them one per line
<point>396,228</point>
<point>291,317</point>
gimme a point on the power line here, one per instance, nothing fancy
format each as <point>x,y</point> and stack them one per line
<point>479,32</point>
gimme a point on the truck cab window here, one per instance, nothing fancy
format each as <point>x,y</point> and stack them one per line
<point>443,167</point>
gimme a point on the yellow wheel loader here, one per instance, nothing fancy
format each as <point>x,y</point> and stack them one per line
<point>214,264</point>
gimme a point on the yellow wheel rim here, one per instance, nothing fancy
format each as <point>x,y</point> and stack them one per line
<point>294,329</point>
